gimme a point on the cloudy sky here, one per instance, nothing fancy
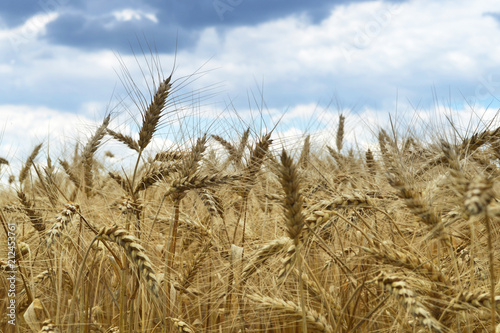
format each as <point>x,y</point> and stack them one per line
<point>65,63</point>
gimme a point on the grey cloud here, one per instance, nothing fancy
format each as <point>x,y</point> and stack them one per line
<point>87,24</point>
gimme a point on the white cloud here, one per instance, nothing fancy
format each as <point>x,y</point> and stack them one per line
<point>25,125</point>
<point>129,14</point>
<point>29,31</point>
<point>370,45</point>
<point>367,52</point>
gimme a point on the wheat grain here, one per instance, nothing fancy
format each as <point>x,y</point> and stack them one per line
<point>49,327</point>
<point>181,326</point>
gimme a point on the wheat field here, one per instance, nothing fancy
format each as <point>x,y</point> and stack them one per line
<point>242,235</point>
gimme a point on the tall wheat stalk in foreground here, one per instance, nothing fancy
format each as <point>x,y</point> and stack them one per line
<point>294,220</point>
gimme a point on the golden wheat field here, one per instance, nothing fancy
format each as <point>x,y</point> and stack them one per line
<point>237,234</point>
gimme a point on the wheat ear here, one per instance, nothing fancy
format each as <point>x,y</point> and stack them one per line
<point>339,158</point>
<point>89,151</point>
<point>242,146</point>
<point>212,202</point>
<point>400,289</point>
<point>134,251</point>
<point>125,139</point>
<point>469,145</point>
<point>257,156</point>
<point>370,163</point>
<point>407,260</point>
<point>293,202</point>
<point>231,150</point>
<point>194,266</point>
<point>479,194</point>
<point>23,174</point>
<point>414,201</point>
<point>70,173</point>
<point>33,215</point>
<point>477,300</point>
<point>314,320</point>
<point>294,220</point>
<point>261,255</point>
<point>62,220</point>
<point>340,133</point>
<point>120,181</point>
<point>155,175</point>
<point>151,116</point>
<point>169,156</point>
<point>305,153</point>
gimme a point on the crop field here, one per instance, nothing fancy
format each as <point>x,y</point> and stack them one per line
<point>240,233</point>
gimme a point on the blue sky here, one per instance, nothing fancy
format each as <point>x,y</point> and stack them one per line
<point>62,61</point>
